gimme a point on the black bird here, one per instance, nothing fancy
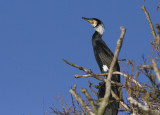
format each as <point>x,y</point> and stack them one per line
<point>104,58</point>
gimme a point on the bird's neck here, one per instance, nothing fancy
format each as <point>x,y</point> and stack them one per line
<point>96,35</point>
<point>99,28</point>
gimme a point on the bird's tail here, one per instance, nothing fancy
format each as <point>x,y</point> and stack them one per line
<point>112,108</point>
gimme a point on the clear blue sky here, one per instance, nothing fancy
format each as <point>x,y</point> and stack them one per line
<point>36,34</point>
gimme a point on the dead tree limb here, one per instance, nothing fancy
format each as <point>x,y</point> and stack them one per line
<point>156,70</point>
<point>88,71</point>
<point>104,74</point>
<point>105,100</point>
<point>143,107</point>
<point>150,23</point>
<point>80,100</point>
<point>93,105</point>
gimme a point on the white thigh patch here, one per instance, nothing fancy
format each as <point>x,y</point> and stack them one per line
<point>105,68</point>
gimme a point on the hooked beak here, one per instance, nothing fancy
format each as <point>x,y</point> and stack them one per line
<point>87,19</point>
<point>91,21</point>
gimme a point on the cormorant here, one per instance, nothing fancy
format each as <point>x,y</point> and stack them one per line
<point>104,58</point>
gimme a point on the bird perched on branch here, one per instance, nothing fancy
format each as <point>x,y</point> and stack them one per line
<point>104,58</point>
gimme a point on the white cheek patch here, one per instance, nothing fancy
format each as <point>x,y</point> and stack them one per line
<point>105,68</point>
<point>100,29</point>
<point>94,24</point>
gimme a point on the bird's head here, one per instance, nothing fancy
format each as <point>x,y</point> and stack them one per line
<point>96,23</point>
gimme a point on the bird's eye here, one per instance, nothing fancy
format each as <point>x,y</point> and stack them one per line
<point>94,23</point>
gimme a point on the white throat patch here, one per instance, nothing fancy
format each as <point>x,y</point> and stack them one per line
<point>105,68</point>
<point>100,29</point>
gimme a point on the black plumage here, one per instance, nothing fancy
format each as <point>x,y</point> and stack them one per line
<point>104,58</point>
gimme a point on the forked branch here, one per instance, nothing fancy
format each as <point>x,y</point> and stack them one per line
<point>80,100</point>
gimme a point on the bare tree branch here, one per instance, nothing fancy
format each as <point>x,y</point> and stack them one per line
<point>150,23</point>
<point>79,67</point>
<point>158,36</point>
<point>104,74</point>
<point>90,74</point>
<point>93,105</point>
<point>145,67</point>
<point>121,102</point>
<point>158,29</point>
<point>80,100</point>
<point>105,100</point>
<point>143,107</point>
<point>84,69</point>
<point>156,69</point>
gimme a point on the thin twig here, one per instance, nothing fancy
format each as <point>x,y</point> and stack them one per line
<point>43,106</point>
<point>158,36</point>
<point>79,67</point>
<point>121,60</point>
<point>158,29</point>
<point>121,102</point>
<point>94,93</point>
<point>158,7</point>
<point>156,70</point>
<point>150,23</point>
<point>88,71</point>
<point>145,67</point>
